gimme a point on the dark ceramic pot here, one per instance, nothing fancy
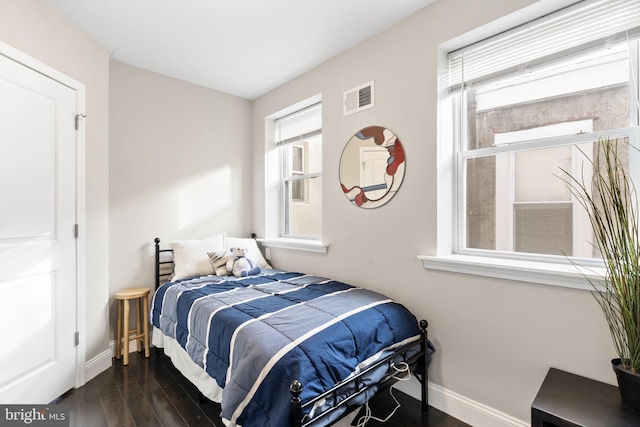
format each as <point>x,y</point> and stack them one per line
<point>629,385</point>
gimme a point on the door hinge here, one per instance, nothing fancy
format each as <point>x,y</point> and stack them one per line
<point>76,231</point>
<point>76,338</point>
<point>78,117</point>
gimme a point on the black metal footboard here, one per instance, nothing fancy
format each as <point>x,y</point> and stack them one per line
<point>419,360</point>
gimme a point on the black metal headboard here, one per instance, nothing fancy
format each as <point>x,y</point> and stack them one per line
<point>164,263</point>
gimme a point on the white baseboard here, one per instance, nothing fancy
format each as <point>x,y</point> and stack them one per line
<point>460,407</point>
<point>103,361</point>
<point>97,365</point>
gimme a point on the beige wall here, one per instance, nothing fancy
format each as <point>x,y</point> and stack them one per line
<point>33,28</point>
<point>180,167</point>
<point>496,338</point>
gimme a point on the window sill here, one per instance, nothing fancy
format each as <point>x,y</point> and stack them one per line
<point>296,244</point>
<point>546,273</point>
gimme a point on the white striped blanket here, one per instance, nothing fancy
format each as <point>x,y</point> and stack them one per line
<point>255,335</point>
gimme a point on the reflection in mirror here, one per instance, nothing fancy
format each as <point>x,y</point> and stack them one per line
<point>372,167</point>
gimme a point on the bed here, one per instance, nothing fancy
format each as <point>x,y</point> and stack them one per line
<point>282,348</point>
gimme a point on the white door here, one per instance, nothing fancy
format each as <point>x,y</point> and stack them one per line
<point>37,242</point>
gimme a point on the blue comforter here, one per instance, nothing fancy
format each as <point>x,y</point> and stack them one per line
<point>255,335</point>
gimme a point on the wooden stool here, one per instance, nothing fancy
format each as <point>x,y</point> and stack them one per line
<point>123,334</point>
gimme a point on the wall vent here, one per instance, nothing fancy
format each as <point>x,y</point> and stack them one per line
<point>359,98</point>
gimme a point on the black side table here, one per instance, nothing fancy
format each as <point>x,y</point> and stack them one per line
<point>568,400</point>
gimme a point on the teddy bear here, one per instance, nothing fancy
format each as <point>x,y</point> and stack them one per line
<point>240,265</point>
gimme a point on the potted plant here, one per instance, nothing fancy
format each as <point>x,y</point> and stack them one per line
<point>611,202</point>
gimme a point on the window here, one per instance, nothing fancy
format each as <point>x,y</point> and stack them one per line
<point>527,105</point>
<point>298,189</point>
<point>534,210</point>
<point>299,140</point>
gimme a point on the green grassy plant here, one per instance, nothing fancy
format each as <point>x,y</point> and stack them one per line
<point>611,202</point>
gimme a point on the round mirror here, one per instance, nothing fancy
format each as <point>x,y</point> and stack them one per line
<point>372,167</point>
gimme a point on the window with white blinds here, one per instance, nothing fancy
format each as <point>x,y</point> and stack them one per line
<point>299,137</point>
<point>577,28</point>
<point>529,103</point>
<point>299,125</point>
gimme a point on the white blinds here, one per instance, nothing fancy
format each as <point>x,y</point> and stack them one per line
<point>299,125</point>
<point>574,29</point>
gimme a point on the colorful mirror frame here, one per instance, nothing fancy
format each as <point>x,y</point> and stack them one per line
<point>372,167</point>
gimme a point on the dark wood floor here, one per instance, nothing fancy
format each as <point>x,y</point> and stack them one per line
<point>151,392</point>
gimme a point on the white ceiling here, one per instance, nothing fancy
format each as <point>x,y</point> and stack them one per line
<point>241,47</point>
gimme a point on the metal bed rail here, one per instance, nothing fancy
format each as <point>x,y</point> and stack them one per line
<point>419,359</point>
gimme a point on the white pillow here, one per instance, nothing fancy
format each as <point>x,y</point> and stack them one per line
<point>190,256</point>
<point>252,249</point>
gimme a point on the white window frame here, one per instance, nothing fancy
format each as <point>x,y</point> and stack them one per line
<point>450,199</point>
<point>300,173</point>
<point>273,213</point>
<point>511,149</point>
<point>505,189</point>
<point>288,176</point>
